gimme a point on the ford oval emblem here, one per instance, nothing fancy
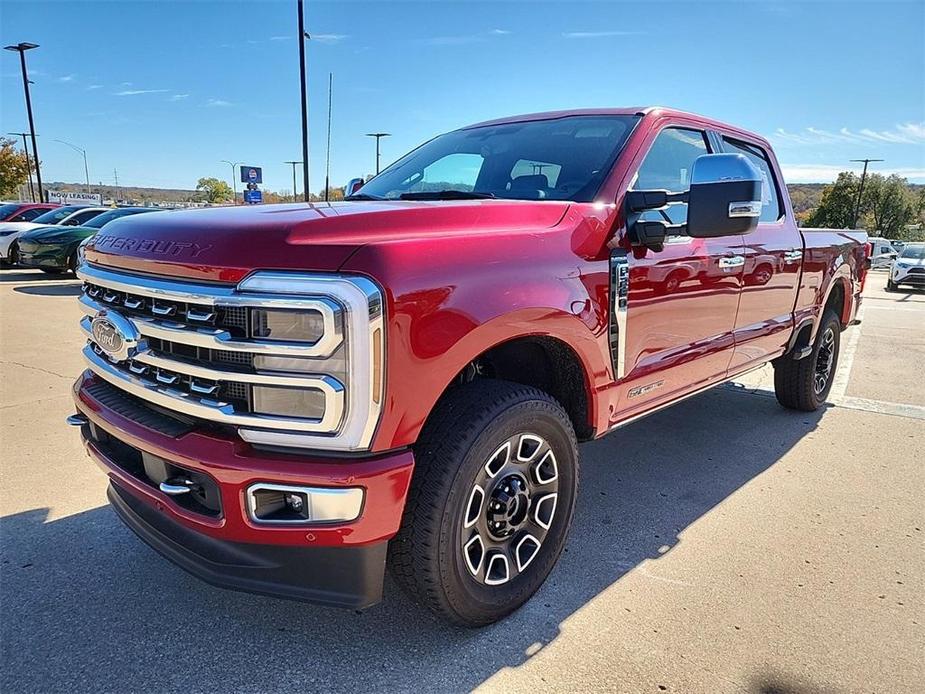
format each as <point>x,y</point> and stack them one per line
<point>116,336</point>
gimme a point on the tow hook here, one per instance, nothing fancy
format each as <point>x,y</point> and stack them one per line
<point>77,420</point>
<point>177,486</point>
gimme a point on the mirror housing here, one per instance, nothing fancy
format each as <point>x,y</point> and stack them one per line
<point>353,185</point>
<point>725,196</point>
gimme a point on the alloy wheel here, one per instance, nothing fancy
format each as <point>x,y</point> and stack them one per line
<point>510,509</point>
<point>825,358</point>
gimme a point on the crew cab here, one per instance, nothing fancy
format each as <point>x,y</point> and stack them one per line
<point>402,378</point>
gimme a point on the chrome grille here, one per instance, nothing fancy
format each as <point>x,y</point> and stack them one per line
<point>189,347</point>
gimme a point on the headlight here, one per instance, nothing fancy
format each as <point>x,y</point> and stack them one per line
<point>336,326</point>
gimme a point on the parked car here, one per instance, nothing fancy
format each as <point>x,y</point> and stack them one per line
<point>23,211</point>
<point>908,268</point>
<point>882,253</point>
<point>67,215</point>
<point>287,398</point>
<point>53,249</point>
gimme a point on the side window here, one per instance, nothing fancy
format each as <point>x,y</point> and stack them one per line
<point>770,191</point>
<point>28,215</point>
<point>667,166</point>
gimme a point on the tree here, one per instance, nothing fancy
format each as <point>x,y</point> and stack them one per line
<point>889,205</point>
<point>15,168</point>
<point>215,189</point>
<point>836,211</point>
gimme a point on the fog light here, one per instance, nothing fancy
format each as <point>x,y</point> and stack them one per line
<point>303,403</point>
<point>290,326</point>
<point>275,503</point>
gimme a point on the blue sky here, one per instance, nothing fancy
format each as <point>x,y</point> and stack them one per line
<point>162,91</point>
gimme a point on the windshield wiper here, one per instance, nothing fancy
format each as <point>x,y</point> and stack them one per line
<point>363,196</point>
<point>445,195</point>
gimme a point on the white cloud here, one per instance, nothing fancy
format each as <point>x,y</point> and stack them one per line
<point>465,39</point>
<point>905,134</point>
<point>826,173</point>
<point>218,102</point>
<point>94,86</point>
<point>499,32</point>
<point>136,92</point>
<point>328,38</point>
<point>280,38</point>
<point>599,34</point>
<point>66,78</point>
<point>179,97</point>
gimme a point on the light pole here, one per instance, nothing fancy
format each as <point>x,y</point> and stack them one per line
<point>25,147</point>
<point>84,153</point>
<point>857,207</point>
<point>234,181</point>
<point>294,164</point>
<point>303,37</point>
<point>378,137</point>
<point>21,48</point>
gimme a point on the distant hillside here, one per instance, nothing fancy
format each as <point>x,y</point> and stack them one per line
<point>803,196</point>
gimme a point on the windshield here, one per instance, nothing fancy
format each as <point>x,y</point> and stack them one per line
<point>56,215</point>
<point>913,252</point>
<point>104,219</point>
<point>7,210</point>
<point>559,159</point>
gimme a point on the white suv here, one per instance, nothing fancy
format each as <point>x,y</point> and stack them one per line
<point>908,268</point>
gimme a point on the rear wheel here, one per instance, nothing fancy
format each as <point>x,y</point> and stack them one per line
<point>805,384</point>
<point>490,504</point>
<point>72,263</point>
<point>13,257</point>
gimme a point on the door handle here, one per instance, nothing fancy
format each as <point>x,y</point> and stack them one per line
<point>793,256</point>
<point>732,261</point>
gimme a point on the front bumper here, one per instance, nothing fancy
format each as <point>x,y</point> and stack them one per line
<point>914,276</point>
<point>336,564</point>
<point>43,255</point>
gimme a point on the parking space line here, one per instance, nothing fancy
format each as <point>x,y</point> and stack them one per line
<point>840,385</point>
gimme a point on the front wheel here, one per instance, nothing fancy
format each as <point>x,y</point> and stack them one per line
<point>490,504</point>
<point>805,384</point>
<point>13,256</point>
<point>890,287</point>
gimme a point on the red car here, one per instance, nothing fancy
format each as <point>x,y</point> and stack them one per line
<point>23,211</point>
<point>288,398</point>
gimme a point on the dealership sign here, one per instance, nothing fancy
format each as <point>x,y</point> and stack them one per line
<point>68,198</point>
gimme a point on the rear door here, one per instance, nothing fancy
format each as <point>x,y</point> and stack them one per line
<point>681,302</point>
<point>773,258</point>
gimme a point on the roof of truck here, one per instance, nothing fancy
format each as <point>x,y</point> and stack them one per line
<point>704,121</point>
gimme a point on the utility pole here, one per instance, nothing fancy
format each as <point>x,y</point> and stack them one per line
<point>234,181</point>
<point>327,159</point>
<point>857,207</point>
<point>84,153</point>
<point>378,137</point>
<point>303,37</point>
<point>25,147</point>
<point>21,48</point>
<point>294,164</point>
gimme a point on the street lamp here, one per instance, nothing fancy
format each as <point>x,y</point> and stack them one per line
<point>378,137</point>
<point>84,153</point>
<point>857,206</point>
<point>25,147</point>
<point>294,164</point>
<point>21,48</point>
<point>234,181</point>
<point>303,37</point>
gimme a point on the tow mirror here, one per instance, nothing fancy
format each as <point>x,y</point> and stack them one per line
<point>724,200</point>
<point>353,185</point>
<point>725,196</point>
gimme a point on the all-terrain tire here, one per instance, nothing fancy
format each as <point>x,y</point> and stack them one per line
<point>464,431</point>
<point>797,383</point>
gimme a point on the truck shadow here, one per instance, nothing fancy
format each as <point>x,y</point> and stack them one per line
<point>86,603</point>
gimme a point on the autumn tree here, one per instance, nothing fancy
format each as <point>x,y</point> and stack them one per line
<point>15,168</point>
<point>215,189</point>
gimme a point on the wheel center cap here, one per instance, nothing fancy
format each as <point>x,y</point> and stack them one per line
<point>509,505</point>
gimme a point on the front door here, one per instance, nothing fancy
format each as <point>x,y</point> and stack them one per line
<point>681,301</point>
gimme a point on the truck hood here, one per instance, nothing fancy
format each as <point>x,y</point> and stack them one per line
<point>225,244</point>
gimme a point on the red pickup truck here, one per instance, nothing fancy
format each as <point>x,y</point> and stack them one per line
<point>289,398</point>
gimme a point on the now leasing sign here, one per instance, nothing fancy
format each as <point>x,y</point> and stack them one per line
<point>67,198</point>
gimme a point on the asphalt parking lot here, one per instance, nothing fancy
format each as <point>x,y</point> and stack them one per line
<point>724,544</point>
